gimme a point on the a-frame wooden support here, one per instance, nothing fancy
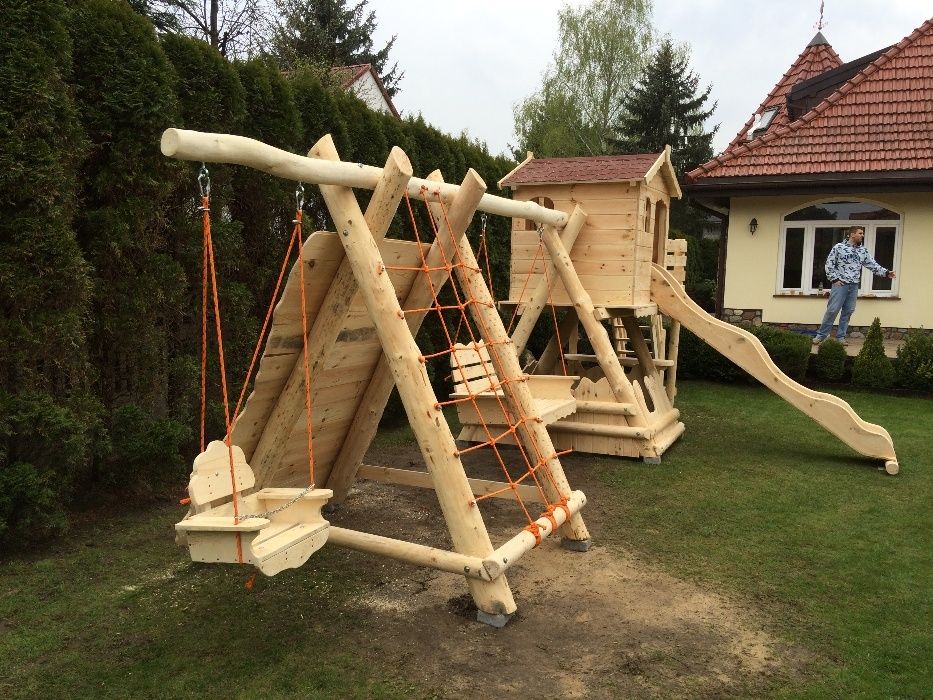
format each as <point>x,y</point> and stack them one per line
<point>361,273</point>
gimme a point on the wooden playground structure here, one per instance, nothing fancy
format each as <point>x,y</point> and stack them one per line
<point>594,254</point>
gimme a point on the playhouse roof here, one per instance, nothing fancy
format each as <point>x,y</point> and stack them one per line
<point>593,169</point>
<point>877,120</point>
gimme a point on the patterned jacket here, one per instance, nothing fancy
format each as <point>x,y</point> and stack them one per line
<point>845,262</point>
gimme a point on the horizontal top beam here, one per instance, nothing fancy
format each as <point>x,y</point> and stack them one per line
<point>184,144</point>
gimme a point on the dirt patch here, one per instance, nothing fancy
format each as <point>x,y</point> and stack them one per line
<point>604,623</point>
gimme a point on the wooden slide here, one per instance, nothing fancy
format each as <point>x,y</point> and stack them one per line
<point>745,350</point>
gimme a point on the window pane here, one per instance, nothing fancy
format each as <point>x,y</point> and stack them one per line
<point>824,238</point>
<point>793,258</point>
<point>843,211</point>
<point>884,254</point>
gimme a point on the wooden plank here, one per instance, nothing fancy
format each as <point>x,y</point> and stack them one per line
<point>323,333</point>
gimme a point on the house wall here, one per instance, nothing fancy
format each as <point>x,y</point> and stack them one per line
<point>368,90</point>
<point>752,264</point>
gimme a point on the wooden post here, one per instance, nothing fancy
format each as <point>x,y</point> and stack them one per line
<point>542,292</point>
<point>534,438</point>
<point>322,336</point>
<point>673,348</point>
<point>595,330</point>
<point>466,526</point>
<point>366,421</point>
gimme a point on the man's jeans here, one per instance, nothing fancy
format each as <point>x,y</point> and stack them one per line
<point>842,297</point>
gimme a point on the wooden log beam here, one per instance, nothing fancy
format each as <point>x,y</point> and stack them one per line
<point>184,144</point>
<point>376,396</point>
<point>533,434</point>
<point>539,297</point>
<point>409,552</point>
<point>595,330</point>
<point>323,334</point>
<point>464,521</point>
<point>513,550</point>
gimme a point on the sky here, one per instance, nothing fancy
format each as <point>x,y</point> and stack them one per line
<point>467,64</point>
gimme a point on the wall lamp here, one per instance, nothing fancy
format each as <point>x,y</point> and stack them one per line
<point>753,226</point>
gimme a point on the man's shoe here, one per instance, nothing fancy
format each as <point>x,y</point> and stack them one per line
<point>817,340</point>
<point>844,341</point>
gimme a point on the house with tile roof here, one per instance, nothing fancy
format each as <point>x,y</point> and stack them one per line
<point>364,82</point>
<point>833,145</point>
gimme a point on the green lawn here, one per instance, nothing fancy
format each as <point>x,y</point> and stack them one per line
<point>755,501</point>
<point>758,499</point>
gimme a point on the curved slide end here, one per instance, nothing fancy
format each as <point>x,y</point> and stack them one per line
<point>745,350</point>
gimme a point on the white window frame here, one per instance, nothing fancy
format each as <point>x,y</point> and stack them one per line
<point>809,233</point>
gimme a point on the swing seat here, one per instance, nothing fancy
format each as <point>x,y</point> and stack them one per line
<point>473,373</point>
<point>272,542</point>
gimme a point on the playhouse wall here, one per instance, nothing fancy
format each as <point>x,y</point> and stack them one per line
<point>612,253</point>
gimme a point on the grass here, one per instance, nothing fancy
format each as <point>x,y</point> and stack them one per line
<point>758,499</point>
<point>755,500</point>
<point>117,612</point>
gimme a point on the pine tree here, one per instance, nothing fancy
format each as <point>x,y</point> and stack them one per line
<point>331,33</point>
<point>664,108</point>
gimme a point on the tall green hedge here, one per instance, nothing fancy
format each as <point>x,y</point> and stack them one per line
<point>125,95</point>
<point>49,420</point>
<point>101,333</point>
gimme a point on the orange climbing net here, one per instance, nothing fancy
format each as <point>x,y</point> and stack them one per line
<point>470,302</point>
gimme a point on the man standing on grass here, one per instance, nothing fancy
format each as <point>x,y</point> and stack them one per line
<point>844,269</point>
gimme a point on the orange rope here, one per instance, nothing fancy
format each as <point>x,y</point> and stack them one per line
<point>211,271</point>
<point>206,225</point>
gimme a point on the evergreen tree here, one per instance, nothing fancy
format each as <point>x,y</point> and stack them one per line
<point>210,98</point>
<point>665,108</point>
<point>331,33</point>
<point>48,419</point>
<point>871,367</point>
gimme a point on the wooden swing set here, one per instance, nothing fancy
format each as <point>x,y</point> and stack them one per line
<point>343,333</point>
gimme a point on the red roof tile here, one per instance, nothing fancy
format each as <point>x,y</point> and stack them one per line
<point>589,169</point>
<point>818,57</point>
<point>881,119</point>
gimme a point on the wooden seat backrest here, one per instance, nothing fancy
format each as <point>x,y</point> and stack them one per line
<point>472,370</point>
<point>210,477</point>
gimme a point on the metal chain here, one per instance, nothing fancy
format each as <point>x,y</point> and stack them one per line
<point>301,494</point>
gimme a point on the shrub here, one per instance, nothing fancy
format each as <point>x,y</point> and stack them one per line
<point>146,450</point>
<point>789,351</point>
<point>914,369</point>
<point>872,368</point>
<point>830,361</point>
<point>697,360</point>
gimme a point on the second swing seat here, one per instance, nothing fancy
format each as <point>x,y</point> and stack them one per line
<point>473,373</point>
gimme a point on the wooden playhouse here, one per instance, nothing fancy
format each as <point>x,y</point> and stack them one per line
<point>597,272</point>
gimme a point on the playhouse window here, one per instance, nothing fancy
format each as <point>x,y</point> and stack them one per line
<point>808,234</point>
